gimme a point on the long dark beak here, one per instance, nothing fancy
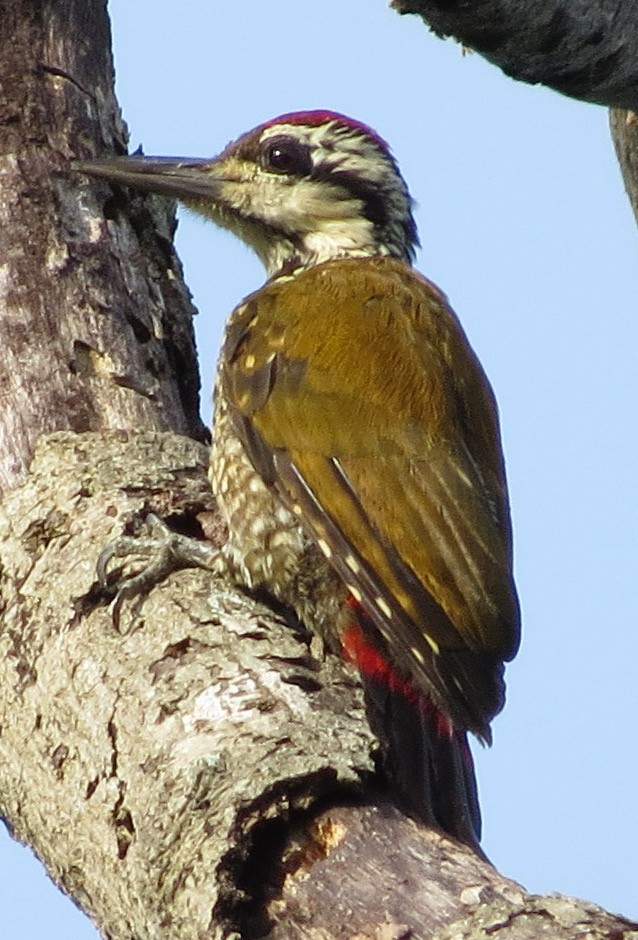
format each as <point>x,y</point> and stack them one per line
<point>179,177</point>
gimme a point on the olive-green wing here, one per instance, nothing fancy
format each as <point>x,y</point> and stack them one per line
<point>358,398</point>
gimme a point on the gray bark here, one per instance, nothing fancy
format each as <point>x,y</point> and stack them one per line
<point>138,763</point>
<point>201,771</point>
<point>95,321</point>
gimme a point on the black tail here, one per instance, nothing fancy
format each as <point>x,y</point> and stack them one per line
<point>427,762</point>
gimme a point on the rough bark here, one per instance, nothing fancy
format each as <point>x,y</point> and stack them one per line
<point>95,322</point>
<point>587,49</point>
<point>137,763</point>
<point>199,772</point>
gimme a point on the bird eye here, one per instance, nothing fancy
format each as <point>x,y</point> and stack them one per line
<point>287,156</point>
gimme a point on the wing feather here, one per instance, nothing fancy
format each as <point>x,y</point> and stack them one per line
<point>359,399</point>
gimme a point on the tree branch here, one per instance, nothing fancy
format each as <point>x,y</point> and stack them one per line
<point>138,764</point>
<point>202,773</point>
<point>586,49</point>
<point>624,132</point>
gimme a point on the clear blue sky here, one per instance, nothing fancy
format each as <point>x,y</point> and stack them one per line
<point>525,225</point>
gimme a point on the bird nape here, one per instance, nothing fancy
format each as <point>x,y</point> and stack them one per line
<point>356,447</point>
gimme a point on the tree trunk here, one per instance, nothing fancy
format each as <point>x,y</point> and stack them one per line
<point>95,325</point>
<point>200,770</point>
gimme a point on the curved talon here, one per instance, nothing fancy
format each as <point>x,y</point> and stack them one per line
<point>102,563</point>
<point>167,551</point>
<point>122,547</point>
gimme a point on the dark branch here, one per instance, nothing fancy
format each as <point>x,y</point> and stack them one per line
<point>586,49</point>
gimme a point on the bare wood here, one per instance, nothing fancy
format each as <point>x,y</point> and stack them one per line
<point>587,49</point>
<point>374,873</point>
<point>95,322</point>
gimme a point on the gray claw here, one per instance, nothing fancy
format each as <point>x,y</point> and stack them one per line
<point>167,551</point>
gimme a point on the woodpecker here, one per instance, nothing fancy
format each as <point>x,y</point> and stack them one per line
<point>356,449</point>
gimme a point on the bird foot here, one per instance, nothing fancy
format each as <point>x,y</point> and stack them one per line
<point>156,553</point>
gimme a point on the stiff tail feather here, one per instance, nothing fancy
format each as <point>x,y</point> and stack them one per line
<point>426,760</point>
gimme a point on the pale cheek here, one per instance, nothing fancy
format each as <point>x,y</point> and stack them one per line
<point>335,237</point>
<point>303,205</point>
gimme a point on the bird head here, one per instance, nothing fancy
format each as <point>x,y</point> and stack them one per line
<point>300,189</point>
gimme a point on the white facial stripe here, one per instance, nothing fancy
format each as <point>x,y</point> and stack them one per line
<point>315,136</point>
<point>355,153</point>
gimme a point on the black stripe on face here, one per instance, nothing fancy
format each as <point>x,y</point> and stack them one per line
<point>374,206</point>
